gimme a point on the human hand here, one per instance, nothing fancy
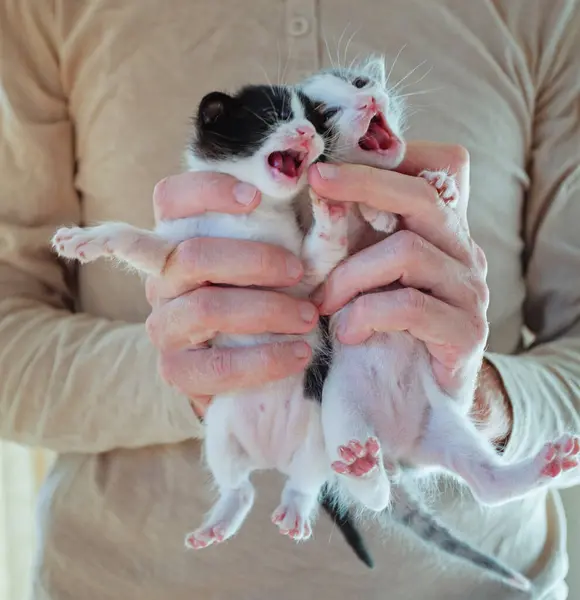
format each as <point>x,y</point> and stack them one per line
<point>445,299</point>
<point>188,311</point>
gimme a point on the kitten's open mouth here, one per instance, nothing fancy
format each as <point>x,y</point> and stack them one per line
<point>288,162</point>
<point>378,136</point>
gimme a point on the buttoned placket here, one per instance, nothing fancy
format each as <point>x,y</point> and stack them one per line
<point>301,26</point>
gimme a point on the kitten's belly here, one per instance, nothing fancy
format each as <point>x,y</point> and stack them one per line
<point>388,376</point>
<point>273,421</point>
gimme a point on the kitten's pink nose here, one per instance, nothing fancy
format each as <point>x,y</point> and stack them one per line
<point>368,103</point>
<point>307,132</point>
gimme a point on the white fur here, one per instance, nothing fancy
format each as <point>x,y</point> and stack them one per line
<point>273,426</point>
<point>381,401</point>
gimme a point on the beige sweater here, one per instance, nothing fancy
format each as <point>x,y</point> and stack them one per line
<point>95,97</point>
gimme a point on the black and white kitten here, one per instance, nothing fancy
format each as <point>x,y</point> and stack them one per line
<point>266,136</point>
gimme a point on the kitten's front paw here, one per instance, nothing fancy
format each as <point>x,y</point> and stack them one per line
<point>560,456</point>
<point>81,244</point>
<point>379,220</point>
<point>330,219</point>
<point>444,183</point>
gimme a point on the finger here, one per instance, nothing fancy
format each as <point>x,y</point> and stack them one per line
<point>196,317</point>
<point>226,261</point>
<point>213,371</point>
<point>432,156</point>
<point>425,318</point>
<point>409,259</point>
<point>413,198</point>
<point>189,194</point>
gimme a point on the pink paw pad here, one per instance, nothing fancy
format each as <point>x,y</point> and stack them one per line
<point>205,537</point>
<point>195,543</point>
<point>358,459</point>
<point>292,523</point>
<point>278,517</point>
<point>561,455</point>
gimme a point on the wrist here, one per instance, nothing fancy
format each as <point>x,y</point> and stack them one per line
<point>492,409</point>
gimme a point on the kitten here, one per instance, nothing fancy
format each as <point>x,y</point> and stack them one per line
<point>266,136</point>
<point>380,402</point>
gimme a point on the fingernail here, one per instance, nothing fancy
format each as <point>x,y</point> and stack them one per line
<point>301,349</point>
<point>244,193</point>
<point>307,311</point>
<point>293,268</point>
<point>327,171</point>
<point>318,296</point>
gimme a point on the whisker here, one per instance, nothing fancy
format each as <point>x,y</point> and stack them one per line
<point>395,61</point>
<point>328,50</point>
<point>418,80</point>
<point>420,92</point>
<point>349,42</point>
<point>394,87</point>
<point>338,45</point>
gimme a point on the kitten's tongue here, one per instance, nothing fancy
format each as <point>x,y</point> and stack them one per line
<point>284,163</point>
<point>376,138</point>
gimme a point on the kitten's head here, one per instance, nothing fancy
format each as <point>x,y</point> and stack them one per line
<point>366,117</point>
<point>263,135</point>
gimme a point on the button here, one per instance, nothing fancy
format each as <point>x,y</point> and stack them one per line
<point>298,26</point>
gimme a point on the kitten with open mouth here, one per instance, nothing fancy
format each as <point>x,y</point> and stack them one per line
<point>385,418</point>
<point>266,136</point>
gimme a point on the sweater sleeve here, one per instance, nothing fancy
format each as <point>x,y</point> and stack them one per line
<point>68,382</point>
<point>543,382</point>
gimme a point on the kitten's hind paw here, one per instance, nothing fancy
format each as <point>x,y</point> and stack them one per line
<point>204,537</point>
<point>292,522</point>
<point>358,460</point>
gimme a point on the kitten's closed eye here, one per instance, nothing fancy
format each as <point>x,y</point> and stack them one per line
<point>327,112</point>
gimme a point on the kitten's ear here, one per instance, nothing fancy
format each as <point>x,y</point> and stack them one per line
<point>213,106</point>
<point>376,69</point>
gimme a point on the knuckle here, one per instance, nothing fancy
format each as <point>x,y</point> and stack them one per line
<point>408,244</point>
<point>458,155</point>
<point>415,301</point>
<point>151,293</point>
<point>203,305</point>
<point>481,290</point>
<point>480,330</point>
<point>220,364</point>
<point>479,258</point>
<point>360,309</point>
<point>193,255</point>
<point>153,330</point>
<point>167,369</point>
<point>160,201</point>
<point>266,260</point>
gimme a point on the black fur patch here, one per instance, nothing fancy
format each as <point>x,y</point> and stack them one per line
<point>236,126</point>
<point>317,371</point>
<point>345,524</point>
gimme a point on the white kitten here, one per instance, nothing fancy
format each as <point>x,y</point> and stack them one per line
<point>381,404</point>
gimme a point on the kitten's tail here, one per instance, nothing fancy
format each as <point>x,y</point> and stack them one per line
<point>411,512</point>
<point>345,524</point>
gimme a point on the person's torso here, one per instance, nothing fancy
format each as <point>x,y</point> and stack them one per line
<point>133,72</point>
